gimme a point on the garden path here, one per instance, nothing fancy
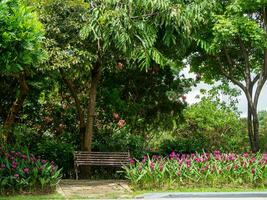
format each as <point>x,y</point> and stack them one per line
<point>83,189</point>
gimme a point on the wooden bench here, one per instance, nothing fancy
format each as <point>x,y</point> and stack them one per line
<point>87,158</point>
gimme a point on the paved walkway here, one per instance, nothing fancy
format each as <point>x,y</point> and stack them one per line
<point>205,195</point>
<point>87,189</point>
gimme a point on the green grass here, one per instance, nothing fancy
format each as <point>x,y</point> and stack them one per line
<point>33,197</point>
<point>206,189</point>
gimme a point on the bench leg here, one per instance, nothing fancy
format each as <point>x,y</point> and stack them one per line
<point>76,172</point>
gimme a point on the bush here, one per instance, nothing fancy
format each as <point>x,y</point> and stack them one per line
<point>22,171</point>
<point>46,145</point>
<point>204,169</point>
<point>207,126</point>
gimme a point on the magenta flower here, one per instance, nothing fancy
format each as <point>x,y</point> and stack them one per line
<point>26,170</point>
<point>16,175</point>
<point>132,162</point>
<point>144,159</point>
<point>172,155</point>
<point>216,152</point>
<point>44,161</point>
<point>197,160</point>
<point>14,165</point>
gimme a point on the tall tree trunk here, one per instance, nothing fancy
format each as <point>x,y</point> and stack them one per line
<point>78,106</point>
<point>250,127</point>
<point>17,105</point>
<point>95,76</point>
<point>256,127</point>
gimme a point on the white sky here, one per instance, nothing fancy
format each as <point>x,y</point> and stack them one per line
<point>242,102</point>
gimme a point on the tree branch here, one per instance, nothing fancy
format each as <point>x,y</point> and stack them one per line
<point>230,77</point>
<point>73,92</point>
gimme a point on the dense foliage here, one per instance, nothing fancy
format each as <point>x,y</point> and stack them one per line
<point>207,125</point>
<point>106,75</point>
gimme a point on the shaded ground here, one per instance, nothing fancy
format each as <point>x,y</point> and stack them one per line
<point>84,189</point>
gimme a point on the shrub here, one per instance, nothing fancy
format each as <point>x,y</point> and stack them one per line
<point>49,146</point>
<point>22,171</point>
<point>207,126</point>
<point>197,169</point>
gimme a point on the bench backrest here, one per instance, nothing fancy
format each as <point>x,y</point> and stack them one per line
<point>101,158</point>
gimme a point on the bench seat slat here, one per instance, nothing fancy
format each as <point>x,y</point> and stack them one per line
<point>103,153</point>
<point>89,156</point>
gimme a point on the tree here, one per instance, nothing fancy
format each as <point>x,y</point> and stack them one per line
<point>68,57</point>
<point>21,36</point>
<point>130,34</point>
<point>232,46</point>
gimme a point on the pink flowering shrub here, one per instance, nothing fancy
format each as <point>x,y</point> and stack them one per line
<point>209,169</point>
<point>22,171</point>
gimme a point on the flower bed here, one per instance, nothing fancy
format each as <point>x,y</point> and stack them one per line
<point>206,169</point>
<point>21,171</point>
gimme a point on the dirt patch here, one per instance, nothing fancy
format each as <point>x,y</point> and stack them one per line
<point>87,189</point>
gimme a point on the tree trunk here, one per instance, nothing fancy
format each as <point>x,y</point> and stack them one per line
<point>95,76</point>
<point>78,106</point>
<point>250,127</point>
<point>17,105</point>
<point>256,127</point>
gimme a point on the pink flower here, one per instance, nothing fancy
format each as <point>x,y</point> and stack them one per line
<point>116,115</point>
<point>216,152</point>
<point>14,165</point>
<point>44,161</point>
<point>121,123</point>
<point>246,155</point>
<point>26,170</point>
<point>178,173</point>
<point>253,171</point>
<point>132,161</point>
<point>144,159</point>
<point>197,160</point>
<point>16,175</point>
<point>172,155</point>
<point>152,166</point>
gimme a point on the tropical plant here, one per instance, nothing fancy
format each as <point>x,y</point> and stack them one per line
<point>199,169</point>
<point>22,171</point>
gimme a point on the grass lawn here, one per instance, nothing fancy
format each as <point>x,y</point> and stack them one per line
<point>33,197</point>
<point>205,189</point>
